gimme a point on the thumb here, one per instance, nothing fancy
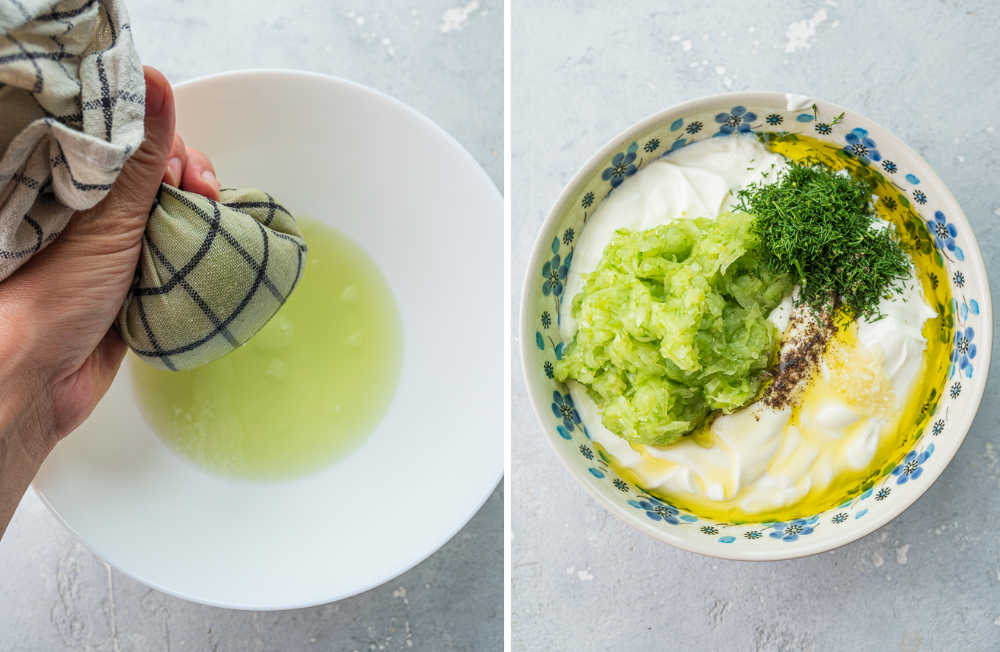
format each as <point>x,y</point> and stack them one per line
<point>139,181</point>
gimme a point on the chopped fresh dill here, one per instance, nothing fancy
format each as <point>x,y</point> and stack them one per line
<point>818,225</point>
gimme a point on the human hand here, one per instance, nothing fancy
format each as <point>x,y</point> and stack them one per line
<point>58,349</point>
<point>189,169</point>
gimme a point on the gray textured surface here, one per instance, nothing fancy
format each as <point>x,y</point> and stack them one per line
<point>582,580</point>
<point>54,594</point>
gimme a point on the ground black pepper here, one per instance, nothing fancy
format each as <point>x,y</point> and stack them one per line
<point>805,341</point>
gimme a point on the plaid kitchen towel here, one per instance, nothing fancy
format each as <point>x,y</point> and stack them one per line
<point>72,95</point>
<point>219,268</point>
<point>71,113</point>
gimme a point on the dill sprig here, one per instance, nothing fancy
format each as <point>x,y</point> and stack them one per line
<point>818,225</point>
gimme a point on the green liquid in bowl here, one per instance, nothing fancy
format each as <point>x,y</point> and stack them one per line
<point>302,393</point>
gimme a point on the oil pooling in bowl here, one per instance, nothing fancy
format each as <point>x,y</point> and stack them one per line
<point>302,393</point>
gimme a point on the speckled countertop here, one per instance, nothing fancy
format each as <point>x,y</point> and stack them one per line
<point>444,58</point>
<point>583,71</point>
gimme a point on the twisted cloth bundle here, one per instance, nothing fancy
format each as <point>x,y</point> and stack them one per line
<point>72,95</point>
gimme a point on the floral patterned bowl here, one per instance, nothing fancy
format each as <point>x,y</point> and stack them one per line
<point>951,411</point>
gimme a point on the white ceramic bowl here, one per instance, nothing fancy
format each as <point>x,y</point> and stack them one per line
<point>432,220</point>
<point>951,408</point>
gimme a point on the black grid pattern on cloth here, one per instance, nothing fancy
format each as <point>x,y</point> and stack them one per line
<point>22,253</point>
<point>107,99</point>
<point>228,237</point>
<point>60,159</point>
<point>65,15</point>
<point>40,237</point>
<point>182,281</point>
<point>215,232</point>
<point>45,58</point>
<point>272,207</point>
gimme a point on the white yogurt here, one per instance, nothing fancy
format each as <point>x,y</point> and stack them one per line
<point>696,181</point>
<point>757,459</point>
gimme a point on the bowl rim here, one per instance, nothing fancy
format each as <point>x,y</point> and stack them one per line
<point>539,250</point>
<point>407,562</point>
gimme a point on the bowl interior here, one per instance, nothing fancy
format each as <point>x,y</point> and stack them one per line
<point>960,265</point>
<point>425,211</point>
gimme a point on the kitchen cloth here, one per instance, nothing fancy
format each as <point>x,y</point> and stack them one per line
<point>72,110</point>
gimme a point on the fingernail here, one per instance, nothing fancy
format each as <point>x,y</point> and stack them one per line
<point>209,177</point>
<point>155,96</point>
<point>174,166</point>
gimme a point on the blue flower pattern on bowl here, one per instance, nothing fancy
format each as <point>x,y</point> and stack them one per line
<point>800,527</point>
<point>909,468</point>
<point>554,272</point>
<point>622,166</point>
<point>657,510</point>
<point>861,146</point>
<point>944,233</point>
<point>563,408</point>
<point>739,119</point>
<point>963,351</point>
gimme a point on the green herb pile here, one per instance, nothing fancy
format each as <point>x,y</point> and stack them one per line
<point>817,225</point>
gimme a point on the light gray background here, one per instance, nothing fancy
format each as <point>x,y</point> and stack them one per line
<point>54,594</point>
<point>584,71</point>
